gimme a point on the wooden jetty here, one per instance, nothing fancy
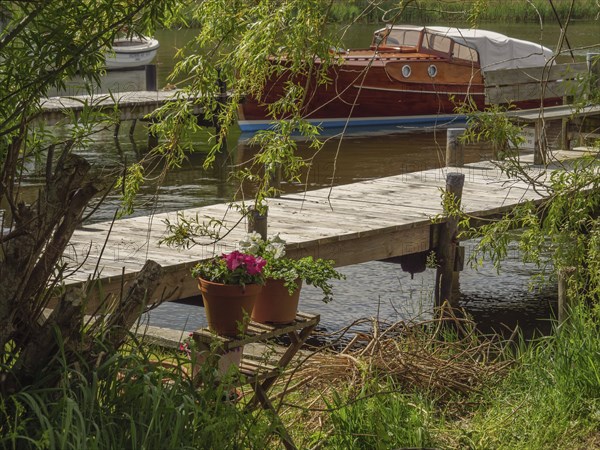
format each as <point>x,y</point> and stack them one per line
<point>365,221</point>
<point>135,105</point>
<point>127,105</point>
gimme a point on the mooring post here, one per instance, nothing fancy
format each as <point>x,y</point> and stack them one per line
<point>221,100</point>
<point>455,150</point>
<point>564,303</point>
<point>151,77</point>
<point>448,242</point>
<point>257,222</point>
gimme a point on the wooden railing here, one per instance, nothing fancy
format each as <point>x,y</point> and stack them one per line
<point>514,85</point>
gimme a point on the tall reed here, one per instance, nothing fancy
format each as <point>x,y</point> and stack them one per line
<point>128,402</point>
<point>552,398</point>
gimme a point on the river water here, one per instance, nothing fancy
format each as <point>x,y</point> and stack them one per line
<point>373,289</point>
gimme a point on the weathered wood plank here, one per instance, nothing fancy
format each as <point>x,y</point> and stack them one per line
<point>370,220</point>
<point>535,74</point>
<point>130,105</point>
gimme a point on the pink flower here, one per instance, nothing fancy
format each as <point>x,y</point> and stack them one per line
<point>233,260</point>
<point>255,266</point>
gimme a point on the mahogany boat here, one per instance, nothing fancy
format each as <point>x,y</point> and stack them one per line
<point>410,75</point>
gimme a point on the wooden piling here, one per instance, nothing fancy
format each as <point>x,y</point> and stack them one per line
<point>132,127</point>
<point>564,303</point>
<point>151,77</point>
<point>257,222</point>
<point>455,150</point>
<point>447,243</point>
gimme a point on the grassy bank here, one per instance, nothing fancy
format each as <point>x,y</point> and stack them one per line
<point>466,393</point>
<point>429,11</point>
<point>426,385</point>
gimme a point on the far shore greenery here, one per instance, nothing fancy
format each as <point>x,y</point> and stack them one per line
<point>431,11</point>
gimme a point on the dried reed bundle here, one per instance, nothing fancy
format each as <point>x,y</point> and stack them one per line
<point>442,356</point>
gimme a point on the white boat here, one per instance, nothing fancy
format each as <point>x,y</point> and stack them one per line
<point>130,52</point>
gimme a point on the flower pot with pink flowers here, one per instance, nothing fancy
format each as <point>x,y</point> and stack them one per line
<point>230,284</point>
<point>278,300</point>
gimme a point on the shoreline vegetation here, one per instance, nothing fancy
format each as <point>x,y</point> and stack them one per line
<point>435,384</point>
<point>431,11</point>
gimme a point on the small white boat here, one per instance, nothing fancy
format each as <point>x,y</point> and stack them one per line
<point>130,52</point>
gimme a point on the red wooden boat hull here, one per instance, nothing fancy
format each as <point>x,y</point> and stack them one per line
<point>365,92</point>
<point>409,76</point>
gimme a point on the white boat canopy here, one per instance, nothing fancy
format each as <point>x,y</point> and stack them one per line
<point>496,51</point>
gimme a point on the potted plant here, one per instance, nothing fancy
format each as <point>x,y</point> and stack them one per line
<point>278,300</point>
<point>230,284</point>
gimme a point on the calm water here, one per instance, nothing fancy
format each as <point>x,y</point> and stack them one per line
<point>374,289</point>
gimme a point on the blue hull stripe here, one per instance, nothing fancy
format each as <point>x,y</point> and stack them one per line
<point>422,121</point>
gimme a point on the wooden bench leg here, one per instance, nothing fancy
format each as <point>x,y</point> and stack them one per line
<point>267,405</point>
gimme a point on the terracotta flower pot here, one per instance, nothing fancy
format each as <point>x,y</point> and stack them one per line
<point>227,306</point>
<point>275,304</point>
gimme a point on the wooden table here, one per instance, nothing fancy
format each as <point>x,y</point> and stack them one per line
<point>260,375</point>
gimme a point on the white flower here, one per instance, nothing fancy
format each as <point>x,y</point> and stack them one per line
<point>277,249</point>
<point>254,237</point>
<point>251,243</point>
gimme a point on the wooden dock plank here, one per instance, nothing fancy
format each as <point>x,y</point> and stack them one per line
<point>130,105</point>
<point>370,220</point>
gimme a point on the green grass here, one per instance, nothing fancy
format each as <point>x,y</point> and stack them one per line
<point>550,398</point>
<point>380,417</point>
<point>128,402</point>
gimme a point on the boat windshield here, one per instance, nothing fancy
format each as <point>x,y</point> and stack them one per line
<point>397,37</point>
<point>448,46</point>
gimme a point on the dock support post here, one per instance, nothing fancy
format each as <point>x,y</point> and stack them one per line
<point>448,243</point>
<point>257,222</point>
<point>221,140</point>
<point>455,150</point>
<point>564,303</point>
<point>151,77</point>
<point>132,127</point>
<point>117,128</point>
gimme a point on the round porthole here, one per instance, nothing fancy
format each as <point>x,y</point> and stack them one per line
<point>432,71</point>
<point>406,71</point>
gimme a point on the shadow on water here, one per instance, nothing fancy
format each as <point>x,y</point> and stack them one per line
<point>497,302</point>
